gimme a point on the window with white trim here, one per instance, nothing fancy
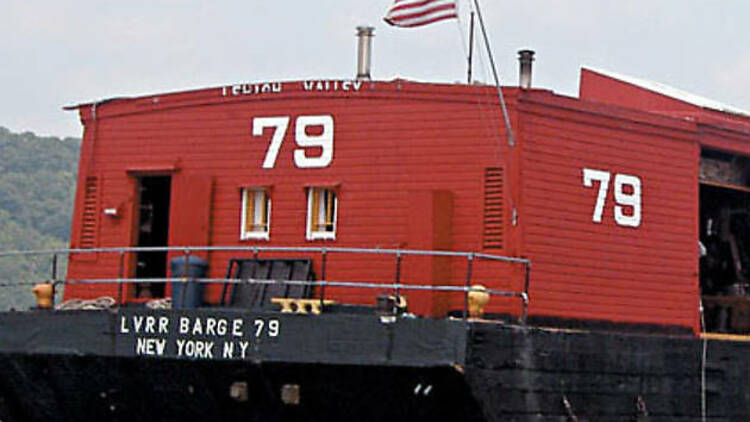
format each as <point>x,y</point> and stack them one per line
<point>322,207</point>
<point>256,214</point>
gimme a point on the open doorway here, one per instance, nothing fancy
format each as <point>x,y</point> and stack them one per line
<point>152,231</point>
<point>724,241</point>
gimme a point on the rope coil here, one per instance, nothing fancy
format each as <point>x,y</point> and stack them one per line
<point>164,303</point>
<point>104,302</point>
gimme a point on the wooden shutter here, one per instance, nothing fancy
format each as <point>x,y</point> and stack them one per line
<point>190,211</point>
<point>90,218</point>
<point>330,198</point>
<point>314,209</point>
<point>493,208</point>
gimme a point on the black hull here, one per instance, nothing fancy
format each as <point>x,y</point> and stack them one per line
<point>65,388</point>
<point>80,366</point>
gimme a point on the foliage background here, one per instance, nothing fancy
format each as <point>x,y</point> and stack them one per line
<point>37,185</point>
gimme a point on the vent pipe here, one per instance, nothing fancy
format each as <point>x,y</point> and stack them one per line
<point>525,58</point>
<point>364,51</point>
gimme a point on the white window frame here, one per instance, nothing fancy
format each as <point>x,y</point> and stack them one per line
<point>317,234</point>
<point>259,234</point>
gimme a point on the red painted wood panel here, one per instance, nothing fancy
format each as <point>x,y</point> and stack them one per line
<point>395,138</point>
<point>190,214</point>
<point>604,270</point>
<point>601,88</point>
<point>385,146</point>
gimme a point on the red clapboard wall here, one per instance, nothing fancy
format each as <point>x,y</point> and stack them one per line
<point>639,266</point>
<point>425,166</point>
<point>409,168</point>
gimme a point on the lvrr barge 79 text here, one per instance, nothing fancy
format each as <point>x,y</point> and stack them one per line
<point>310,236</point>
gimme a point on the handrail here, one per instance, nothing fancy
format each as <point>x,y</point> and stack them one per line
<point>323,251</point>
<point>264,249</point>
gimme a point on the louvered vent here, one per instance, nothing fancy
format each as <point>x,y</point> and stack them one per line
<point>493,208</point>
<point>90,219</point>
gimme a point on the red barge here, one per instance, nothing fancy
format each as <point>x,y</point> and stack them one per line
<point>311,238</point>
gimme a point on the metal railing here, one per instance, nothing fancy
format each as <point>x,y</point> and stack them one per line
<point>323,252</point>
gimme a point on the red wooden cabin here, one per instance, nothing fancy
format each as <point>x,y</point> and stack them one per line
<point>601,192</point>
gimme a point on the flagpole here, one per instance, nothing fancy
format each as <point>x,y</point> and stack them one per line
<point>511,140</point>
<point>471,47</point>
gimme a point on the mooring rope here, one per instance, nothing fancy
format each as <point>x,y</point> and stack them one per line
<point>703,361</point>
<point>703,379</point>
<point>104,302</point>
<point>163,303</point>
<point>569,408</point>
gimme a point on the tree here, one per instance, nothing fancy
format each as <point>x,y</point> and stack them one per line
<point>37,185</point>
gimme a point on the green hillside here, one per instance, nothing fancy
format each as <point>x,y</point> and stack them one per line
<point>37,184</point>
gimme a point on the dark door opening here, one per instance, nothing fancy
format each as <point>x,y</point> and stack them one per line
<point>724,242</point>
<point>153,231</point>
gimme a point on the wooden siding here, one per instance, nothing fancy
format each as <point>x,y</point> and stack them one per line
<point>397,142</point>
<point>606,271</point>
<point>387,144</point>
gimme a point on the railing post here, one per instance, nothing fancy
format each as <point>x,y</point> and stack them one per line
<point>120,274</point>
<point>469,268</point>
<point>54,268</point>
<point>185,278</point>
<point>54,276</point>
<point>398,281</point>
<point>323,256</point>
<point>527,281</point>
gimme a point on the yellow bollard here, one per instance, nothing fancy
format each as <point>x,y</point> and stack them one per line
<point>44,293</point>
<point>478,299</point>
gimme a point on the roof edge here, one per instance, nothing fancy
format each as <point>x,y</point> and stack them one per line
<point>671,92</point>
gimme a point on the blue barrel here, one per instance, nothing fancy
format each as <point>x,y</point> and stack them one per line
<point>187,295</point>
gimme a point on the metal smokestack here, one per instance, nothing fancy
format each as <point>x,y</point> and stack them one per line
<point>364,51</point>
<point>525,58</point>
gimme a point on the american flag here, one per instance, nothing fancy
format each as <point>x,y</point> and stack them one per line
<point>412,13</point>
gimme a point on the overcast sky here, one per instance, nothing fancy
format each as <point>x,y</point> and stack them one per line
<point>56,52</point>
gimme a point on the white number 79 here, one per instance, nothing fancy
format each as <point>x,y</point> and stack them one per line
<point>622,199</point>
<point>280,124</point>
